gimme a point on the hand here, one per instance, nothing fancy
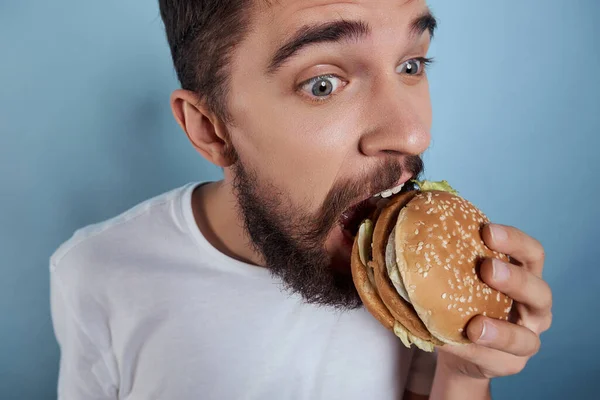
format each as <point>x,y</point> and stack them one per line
<point>503,348</point>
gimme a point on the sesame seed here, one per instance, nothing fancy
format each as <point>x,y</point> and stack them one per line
<point>449,306</point>
<point>444,295</point>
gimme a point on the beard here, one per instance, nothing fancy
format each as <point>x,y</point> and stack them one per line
<point>291,240</point>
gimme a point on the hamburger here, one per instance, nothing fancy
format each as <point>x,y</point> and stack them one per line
<point>415,264</point>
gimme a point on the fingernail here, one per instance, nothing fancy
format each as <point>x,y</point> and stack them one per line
<point>488,333</point>
<point>499,234</point>
<point>500,270</point>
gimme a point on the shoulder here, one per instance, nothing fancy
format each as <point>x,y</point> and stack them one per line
<point>90,256</point>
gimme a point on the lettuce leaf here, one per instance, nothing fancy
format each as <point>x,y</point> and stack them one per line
<point>443,186</point>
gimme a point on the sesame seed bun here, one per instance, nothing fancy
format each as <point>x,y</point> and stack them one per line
<point>438,252</point>
<point>400,309</point>
<point>438,249</point>
<point>367,291</point>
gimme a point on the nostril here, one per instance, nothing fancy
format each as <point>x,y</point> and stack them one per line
<point>405,141</point>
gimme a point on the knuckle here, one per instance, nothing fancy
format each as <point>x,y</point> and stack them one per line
<point>537,249</point>
<point>540,252</point>
<point>546,299</point>
<point>536,347</point>
<point>547,322</point>
<point>514,368</point>
<point>519,279</point>
<point>511,338</point>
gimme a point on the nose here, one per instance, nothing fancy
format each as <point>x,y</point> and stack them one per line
<point>398,122</point>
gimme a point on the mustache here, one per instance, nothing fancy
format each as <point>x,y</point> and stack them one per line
<point>345,194</point>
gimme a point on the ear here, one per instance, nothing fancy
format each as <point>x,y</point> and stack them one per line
<point>206,132</point>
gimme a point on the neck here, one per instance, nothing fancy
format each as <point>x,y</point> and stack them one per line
<point>216,213</point>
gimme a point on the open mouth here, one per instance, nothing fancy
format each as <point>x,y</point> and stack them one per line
<point>352,217</point>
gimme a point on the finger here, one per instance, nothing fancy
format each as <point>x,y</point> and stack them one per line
<point>519,284</point>
<point>504,336</point>
<point>518,245</point>
<point>491,362</point>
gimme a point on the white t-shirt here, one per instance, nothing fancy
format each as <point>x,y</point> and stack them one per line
<point>145,308</point>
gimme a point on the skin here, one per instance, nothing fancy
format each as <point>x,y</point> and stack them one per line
<point>299,150</point>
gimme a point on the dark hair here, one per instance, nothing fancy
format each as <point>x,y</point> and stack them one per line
<point>202,35</point>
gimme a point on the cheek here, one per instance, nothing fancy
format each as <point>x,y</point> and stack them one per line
<point>424,105</point>
<point>301,153</point>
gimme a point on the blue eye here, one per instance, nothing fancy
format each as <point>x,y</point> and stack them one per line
<point>322,86</point>
<point>413,67</point>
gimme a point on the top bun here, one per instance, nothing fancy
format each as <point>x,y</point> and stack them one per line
<point>438,251</point>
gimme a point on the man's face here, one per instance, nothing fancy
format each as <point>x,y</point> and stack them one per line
<point>329,107</point>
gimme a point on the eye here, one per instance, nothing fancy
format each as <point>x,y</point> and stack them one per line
<point>322,87</point>
<point>414,67</point>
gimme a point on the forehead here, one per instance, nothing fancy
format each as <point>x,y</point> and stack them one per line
<point>276,20</point>
<point>286,12</point>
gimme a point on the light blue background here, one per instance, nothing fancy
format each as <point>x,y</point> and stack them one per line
<point>86,132</point>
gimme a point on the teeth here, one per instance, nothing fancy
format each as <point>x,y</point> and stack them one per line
<point>389,192</point>
<point>397,189</point>
<point>386,193</point>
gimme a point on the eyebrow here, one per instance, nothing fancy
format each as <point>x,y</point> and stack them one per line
<point>339,31</point>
